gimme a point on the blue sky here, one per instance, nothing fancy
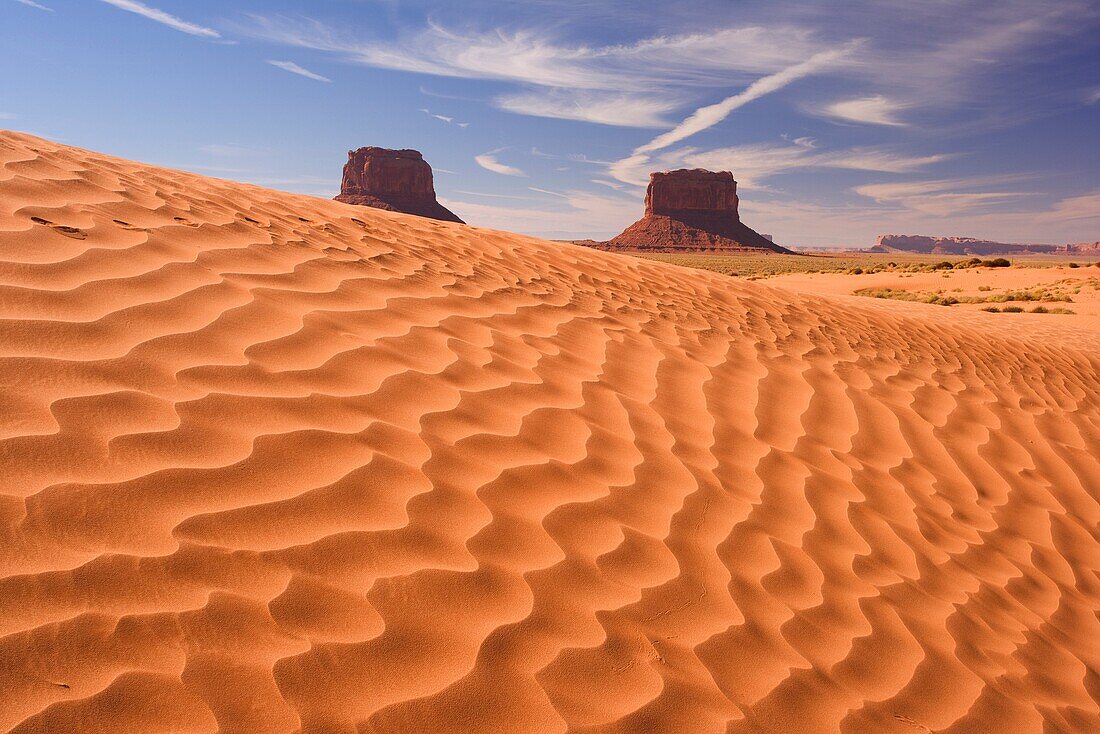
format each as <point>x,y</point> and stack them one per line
<point>840,120</point>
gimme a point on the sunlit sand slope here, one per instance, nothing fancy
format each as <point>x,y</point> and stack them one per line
<point>275,464</point>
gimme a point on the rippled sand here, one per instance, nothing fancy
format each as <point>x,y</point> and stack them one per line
<point>270,463</point>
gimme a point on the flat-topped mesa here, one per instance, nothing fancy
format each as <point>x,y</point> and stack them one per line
<point>953,245</point>
<point>691,211</point>
<point>396,180</point>
<point>674,193</point>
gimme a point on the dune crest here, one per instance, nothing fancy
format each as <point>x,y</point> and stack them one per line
<point>270,463</point>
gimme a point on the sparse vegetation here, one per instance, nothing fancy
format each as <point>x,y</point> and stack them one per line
<point>1019,309</point>
<point>764,266</point>
<point>939,298</point>
<point>903,266</point>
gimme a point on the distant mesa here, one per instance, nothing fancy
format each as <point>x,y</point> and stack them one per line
<point>1081,248</point>
<point>954,246</point>
<point>691,211</point>
<point>396,180</point>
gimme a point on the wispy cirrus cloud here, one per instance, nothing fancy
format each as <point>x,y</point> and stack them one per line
<point>33,4</point>
<point>754,163</point>
<point>548,192</point>
<point>873,110</point>
<point>294,68</point>
<point>489,162</point>
<point>944,197</point>
<point>855,224</point>
<point>164,18</point>
<point>633,84</point>
<point>536,58</point>
<point>605,108</point>
<point>444,118</point>
<point>710,115</point>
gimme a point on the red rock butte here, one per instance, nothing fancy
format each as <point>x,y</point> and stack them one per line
<point>691,211</point>
<point>396,180</point>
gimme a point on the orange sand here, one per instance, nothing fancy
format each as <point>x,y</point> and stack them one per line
<point>278,464</point>
<point>961,283</point>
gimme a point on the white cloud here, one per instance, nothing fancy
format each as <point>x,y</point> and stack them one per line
<point>1093,97</point>
<point>164,18</point>
<point>941,198</point>
<point>852,225</point>
<point>440,95</point>
<point>444,118</point>
<point>300,71</point>
<point>629,169</point>
<point>1075,209</point>
<point>711,115</point>
<point>33,4</point>
<point>605,108</point>
<point>634,84</point>
<point>873,110</point>
<point>963,57</point>
<point>489,162</point>
<point>7,116</point>
<point>702,59</point>
<point>545,191</point>
<point>754,163</point>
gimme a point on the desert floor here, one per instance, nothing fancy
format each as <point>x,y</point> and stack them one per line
<point>270,463</point>
<point>1081,285</point>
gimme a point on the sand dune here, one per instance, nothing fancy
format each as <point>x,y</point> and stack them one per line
<point>277,464</point>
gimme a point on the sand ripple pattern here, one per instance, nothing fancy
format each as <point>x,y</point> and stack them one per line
<point>275,464</point>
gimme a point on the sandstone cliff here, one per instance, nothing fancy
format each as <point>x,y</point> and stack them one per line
<point>397,180</point>
<point>953,245</point>
<point>691,211</point>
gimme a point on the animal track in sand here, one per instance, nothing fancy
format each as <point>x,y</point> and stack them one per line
<point>73,232</point>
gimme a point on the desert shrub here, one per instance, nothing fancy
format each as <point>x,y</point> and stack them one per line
<point>1012,309</point>
<point>985,288</point>
<point>997,262</point>
<point>992,309</point>
<point>1074,265</point>
<point>1039,309</point>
